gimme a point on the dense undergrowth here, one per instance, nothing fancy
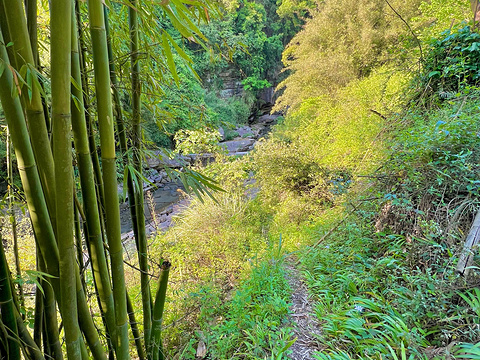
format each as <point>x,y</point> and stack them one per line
<point>396,179</point>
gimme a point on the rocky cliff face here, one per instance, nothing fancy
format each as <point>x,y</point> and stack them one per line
<point>231,83</point>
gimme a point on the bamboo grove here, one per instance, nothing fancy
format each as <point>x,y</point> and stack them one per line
<point>74,94</point>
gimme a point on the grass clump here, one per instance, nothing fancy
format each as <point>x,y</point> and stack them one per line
<point>252,324</point>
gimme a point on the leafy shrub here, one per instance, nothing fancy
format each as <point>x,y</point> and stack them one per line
<point>228,111</point>
<point>453,62</point>
<point>197,141</point>
<point>284,171</point>
<point>254,84</point>
<point>442,150</point>
<point>373,302</point>
<point>209,247</point>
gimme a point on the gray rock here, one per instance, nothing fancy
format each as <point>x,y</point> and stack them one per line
<point>268,119</point>
<point>244,131</point>
<point>235,146</point>
<point>161,160</point>
<point>222,133</point>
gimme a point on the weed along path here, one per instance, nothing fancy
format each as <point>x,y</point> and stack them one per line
<point>304,322</point>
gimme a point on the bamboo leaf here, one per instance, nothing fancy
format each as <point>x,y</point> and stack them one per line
<point>29,78</point>
<point>181,13</point>
<point>36,83</point>
<point>176,23</point>
<point>170,61</point>
<point>75,84</point>
<point>179,49</point>
<point>16,90</point>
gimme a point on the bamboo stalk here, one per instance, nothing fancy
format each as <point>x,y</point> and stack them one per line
<point>27,167</point>
<point>53,346</point>
<point>134,327</point>
<point>18,30</point>
<point>31,11</point>
<point>29,346</point>
<point>7,307</point>
<point>38,317</point>
<point>87,180</point>
<point>107,143</point>
<point>61,121</point>
<point>142,249</point>
<point>88,118</point>
<point>156,352</point>
<point>121,132</point>
<point>6,35</point>
<point>13,219</point>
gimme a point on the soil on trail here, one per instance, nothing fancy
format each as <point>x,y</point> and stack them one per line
<point>303,319</point>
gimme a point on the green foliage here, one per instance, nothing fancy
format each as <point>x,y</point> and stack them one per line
<point>372,303</point>
<point>384,283</point>
<point>442,151</point>
<point>197,141</point>
<point>254,84</point>
<point>210,247</point>
<point>341,42</point>
<point>252,323</point>
<point>252,37</point>
<point>228,112</point>
<point>438,15</point>
<point>452,62</point>
<point>315,154</point>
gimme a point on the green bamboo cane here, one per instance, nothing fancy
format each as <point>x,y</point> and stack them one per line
<point>29,347</point>
<point>107,143</point>
<point>94,231</point>
<point>86,324</point>
<point>79,247</point>
<point>3,341</point>
<point>121,132</point>
<point>52,347</point>
<point>46,346</point>
<point>90,126</point>
<point>135,331</point>
<point>27,167</point>
<point>137,161</point>
<point>6,36</point>
<point>7,307</point>
<point>122,137</point>
<point>88,118</point>
<point>34,108</point>
<point>31,11</point>
<point>156,352</point>
<point>22,337</point>
<point>13,218</point>
<point>31,181</point>
<point>60,19</point>
<point>38,317</point>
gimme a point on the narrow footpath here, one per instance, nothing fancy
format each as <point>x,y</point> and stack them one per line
<point>303,319</point>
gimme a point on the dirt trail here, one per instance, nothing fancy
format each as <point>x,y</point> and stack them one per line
<point>303,319</point>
